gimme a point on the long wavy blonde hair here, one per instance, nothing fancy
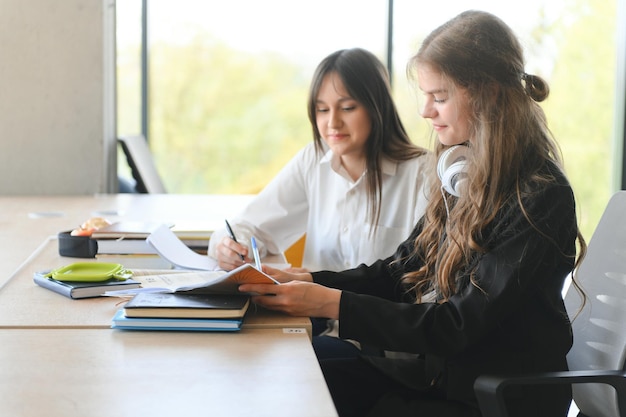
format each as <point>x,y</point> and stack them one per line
<point>509,142</point>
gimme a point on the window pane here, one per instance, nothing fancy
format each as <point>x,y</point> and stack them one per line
<point>128,27</point>
<point>229,82</point>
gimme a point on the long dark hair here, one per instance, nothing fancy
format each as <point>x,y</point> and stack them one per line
<point>367,81</point>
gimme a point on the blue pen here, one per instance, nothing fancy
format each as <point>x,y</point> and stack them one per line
<point>255,252</point>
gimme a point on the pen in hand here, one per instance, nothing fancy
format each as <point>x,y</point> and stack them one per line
<point>232,236</point>
<point>255,251</point>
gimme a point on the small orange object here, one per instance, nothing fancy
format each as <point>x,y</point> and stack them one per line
<point>88,227</point>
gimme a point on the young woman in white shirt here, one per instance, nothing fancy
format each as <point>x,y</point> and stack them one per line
<point>356,191</point>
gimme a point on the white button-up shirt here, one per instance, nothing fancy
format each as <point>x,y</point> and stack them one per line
<point>316,196</point>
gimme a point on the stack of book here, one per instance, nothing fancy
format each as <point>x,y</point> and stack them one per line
<point>196,301</point>
<point>172,311</point>
<point>125,242</point>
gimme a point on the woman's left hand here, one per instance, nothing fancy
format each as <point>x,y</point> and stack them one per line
<point>297,298</point>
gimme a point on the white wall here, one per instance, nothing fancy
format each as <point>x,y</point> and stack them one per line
<point>57,97</point>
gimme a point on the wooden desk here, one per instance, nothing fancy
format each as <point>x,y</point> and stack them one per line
<point>61,359</point>
<point>104,373</point>
<point>24,304</point>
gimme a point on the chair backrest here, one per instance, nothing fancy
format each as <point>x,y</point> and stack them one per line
<point>295,252</point>
<point>600,328</point>
<point>142,165</point>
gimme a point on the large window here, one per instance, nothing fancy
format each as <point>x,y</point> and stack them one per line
<point>228,81</point>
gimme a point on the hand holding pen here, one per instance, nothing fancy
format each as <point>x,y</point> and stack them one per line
<point>232,236</point>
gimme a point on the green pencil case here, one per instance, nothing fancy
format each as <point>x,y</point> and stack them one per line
<point>90,272</point>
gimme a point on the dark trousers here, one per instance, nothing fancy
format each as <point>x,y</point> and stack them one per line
<point>358,389</point>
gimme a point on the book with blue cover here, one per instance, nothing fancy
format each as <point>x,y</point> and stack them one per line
<point>120,321</point>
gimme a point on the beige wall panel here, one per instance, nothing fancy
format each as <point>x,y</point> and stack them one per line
<point>57,121</point>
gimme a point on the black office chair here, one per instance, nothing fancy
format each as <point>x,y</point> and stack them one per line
<point>142,165</point>
<point>597,358</point>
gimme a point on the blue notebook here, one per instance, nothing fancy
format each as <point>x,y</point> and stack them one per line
<point>120,321</point>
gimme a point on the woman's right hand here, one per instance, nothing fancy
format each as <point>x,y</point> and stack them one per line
<point>297,298</point>
<point>229,253</point>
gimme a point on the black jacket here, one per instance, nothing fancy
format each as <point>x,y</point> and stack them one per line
<point>515,322</point>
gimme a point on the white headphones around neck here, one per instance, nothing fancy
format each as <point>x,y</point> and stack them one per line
<point>451,169</point>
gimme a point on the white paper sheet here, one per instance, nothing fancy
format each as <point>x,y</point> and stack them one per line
<point>170,247</point>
